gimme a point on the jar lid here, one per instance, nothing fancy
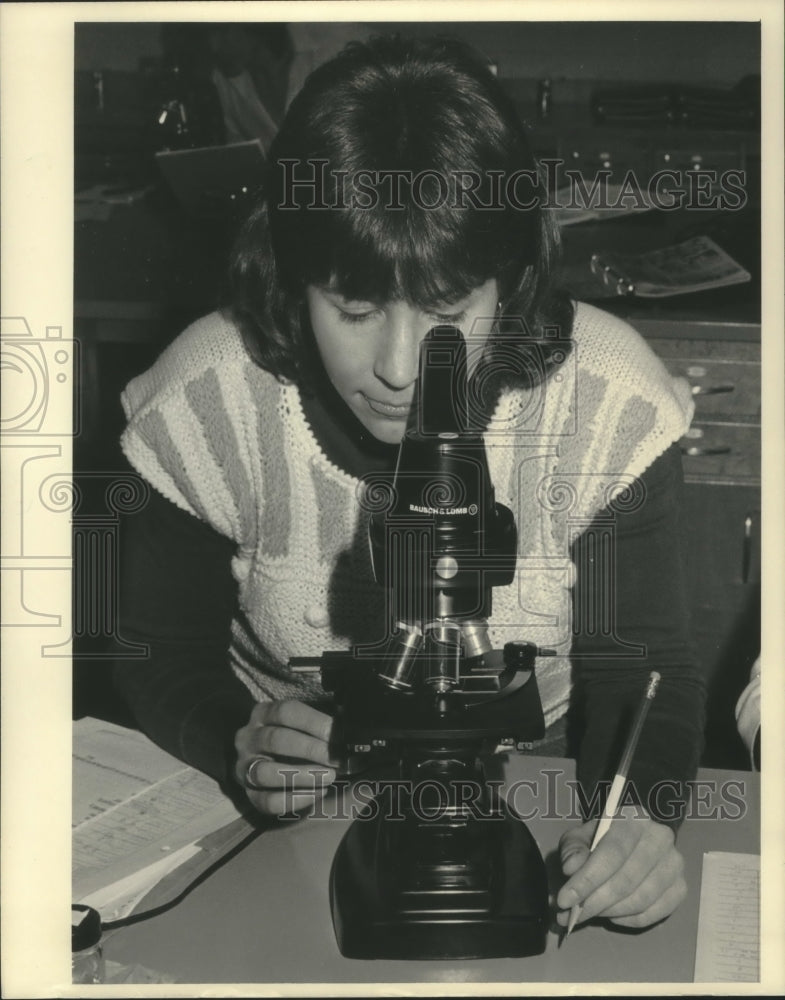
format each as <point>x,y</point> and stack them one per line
<point>85,927</point>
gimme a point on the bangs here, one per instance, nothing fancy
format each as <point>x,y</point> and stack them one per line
<point>402,184</point>
<point>414,254</point>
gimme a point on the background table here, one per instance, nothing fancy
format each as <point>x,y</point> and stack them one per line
<point>265,916</point>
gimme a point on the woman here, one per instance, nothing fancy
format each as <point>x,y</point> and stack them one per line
<point>402,194</point>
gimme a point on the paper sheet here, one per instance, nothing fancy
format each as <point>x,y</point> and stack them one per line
<point>111,764</point>
<point>728,949</point>
<point>116,901</point>
<point>134,806</point>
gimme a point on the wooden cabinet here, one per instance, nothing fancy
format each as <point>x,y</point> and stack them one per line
<point>722,503</point>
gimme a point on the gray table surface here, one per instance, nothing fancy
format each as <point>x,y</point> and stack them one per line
<point>264,917</point>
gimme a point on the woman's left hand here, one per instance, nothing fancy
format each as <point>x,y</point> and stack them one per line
<point>634,877</point>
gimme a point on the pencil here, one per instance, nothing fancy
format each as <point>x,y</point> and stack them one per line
<point>619,780</point>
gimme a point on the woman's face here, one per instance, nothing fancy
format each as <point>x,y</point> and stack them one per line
<point>371,350</point>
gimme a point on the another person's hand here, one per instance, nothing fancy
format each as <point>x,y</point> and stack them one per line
<point>283,756</point>
<point>634,877</point>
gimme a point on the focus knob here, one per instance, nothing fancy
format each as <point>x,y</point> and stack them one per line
<point>520,655</point>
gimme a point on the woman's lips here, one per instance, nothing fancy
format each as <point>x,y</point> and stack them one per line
<point>389,410</point>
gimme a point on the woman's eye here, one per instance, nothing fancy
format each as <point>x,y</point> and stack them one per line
<point>366,314</point>
<point>356,317</point>
<point>450,317</point>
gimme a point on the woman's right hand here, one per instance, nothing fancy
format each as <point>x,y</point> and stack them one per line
<point>283,756</point>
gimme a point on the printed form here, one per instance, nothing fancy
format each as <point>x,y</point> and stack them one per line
<point>137,813</point>
<point>728,949</point>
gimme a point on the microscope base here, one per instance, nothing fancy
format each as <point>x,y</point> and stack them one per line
<point>407,889</point>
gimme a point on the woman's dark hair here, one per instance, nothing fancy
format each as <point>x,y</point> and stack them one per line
<point>401,170</point>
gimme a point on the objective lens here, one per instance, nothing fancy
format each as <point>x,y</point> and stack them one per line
<point>399,664</point>
<point>475,639</point>
<point>442,662</point>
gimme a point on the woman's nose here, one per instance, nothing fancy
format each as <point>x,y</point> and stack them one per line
<point>397,359</point>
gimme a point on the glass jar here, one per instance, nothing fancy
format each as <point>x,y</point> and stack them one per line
<point>87,958</point>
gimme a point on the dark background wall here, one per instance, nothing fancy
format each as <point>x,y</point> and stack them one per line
<point>710,52</point>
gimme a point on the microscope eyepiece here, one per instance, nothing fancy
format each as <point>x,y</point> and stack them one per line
<point>445,542</point>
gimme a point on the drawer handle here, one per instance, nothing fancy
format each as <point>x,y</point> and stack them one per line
<point>746,555</point>
<point>711,390</point>
<point>694,451</point>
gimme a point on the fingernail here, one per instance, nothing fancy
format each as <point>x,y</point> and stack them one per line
<point>568,899</point>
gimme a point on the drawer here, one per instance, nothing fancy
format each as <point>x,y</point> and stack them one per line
<point>721,453</point>
<point>727,387</point>
<point>725,378</point>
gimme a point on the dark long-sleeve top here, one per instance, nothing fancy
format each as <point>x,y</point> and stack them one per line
<point>178,596</point>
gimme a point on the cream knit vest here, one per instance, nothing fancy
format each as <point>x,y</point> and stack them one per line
<point>225,441</point>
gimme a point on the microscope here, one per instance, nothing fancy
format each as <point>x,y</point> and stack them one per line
<point>438,867</point>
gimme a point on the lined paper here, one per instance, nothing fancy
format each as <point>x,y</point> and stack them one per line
<point>728,948</point>
<point>134,808</point>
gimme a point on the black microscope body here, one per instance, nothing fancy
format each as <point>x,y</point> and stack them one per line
<point>438,867</point>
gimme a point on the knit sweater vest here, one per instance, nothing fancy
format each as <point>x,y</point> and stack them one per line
<point>229,443</point>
